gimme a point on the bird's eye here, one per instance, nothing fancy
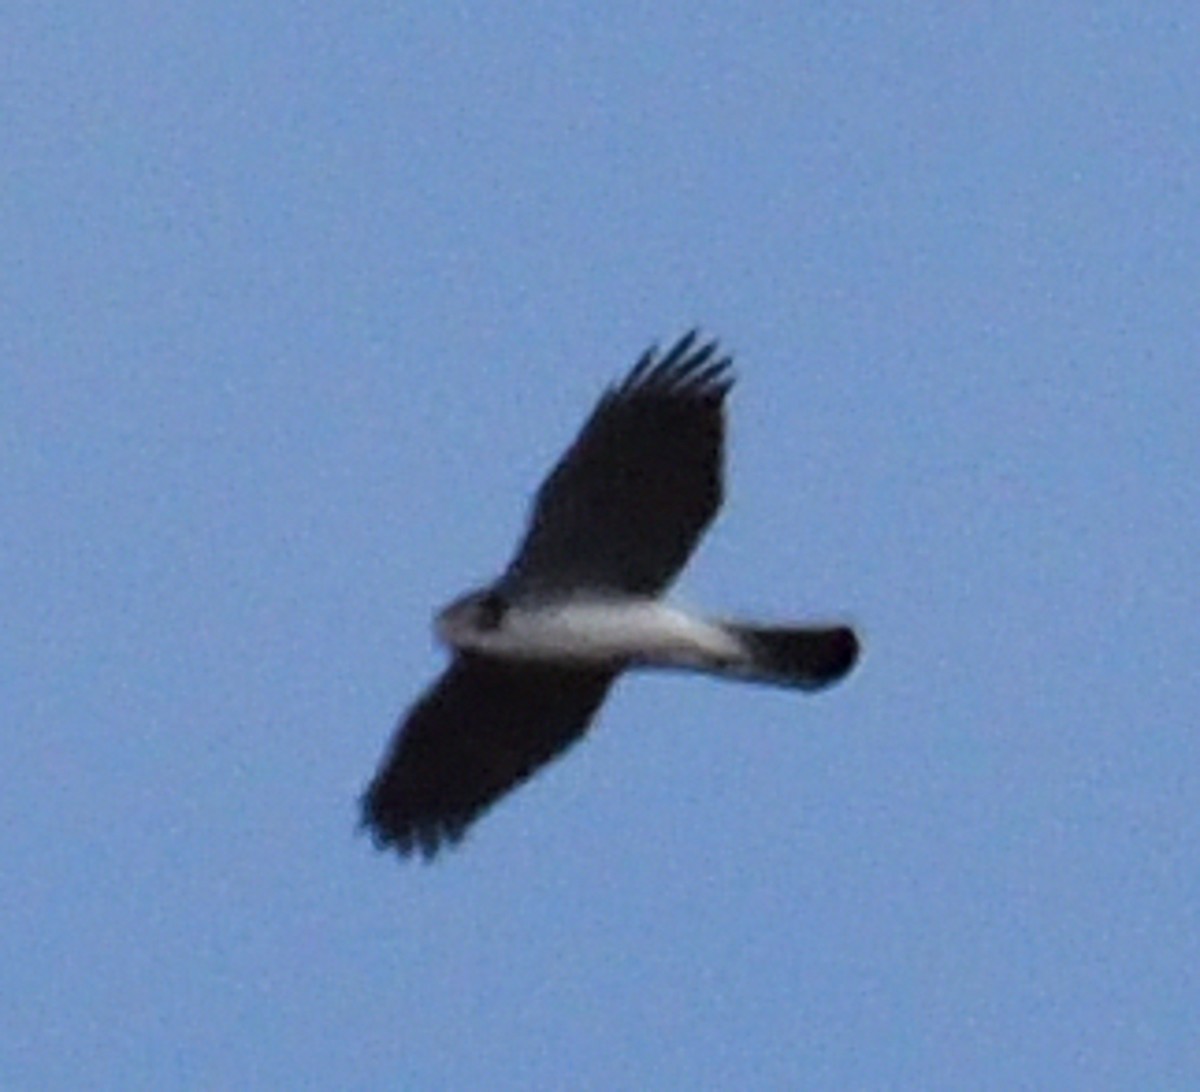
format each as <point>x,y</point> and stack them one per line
<point>491,610</point>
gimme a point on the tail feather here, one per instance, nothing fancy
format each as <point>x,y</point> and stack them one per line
<point>807,658</point>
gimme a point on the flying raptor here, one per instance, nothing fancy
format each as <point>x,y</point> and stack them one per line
<point>535,653</point>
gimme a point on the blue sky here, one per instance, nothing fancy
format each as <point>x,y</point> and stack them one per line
<point>298,303</point>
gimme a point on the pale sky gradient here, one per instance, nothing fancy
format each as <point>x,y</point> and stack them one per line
<point>299,302</point>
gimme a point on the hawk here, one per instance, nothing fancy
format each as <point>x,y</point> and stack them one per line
<point>582,601</point>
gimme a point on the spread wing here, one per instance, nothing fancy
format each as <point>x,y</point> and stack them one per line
<point>483,728</point>
<point>627,503</point>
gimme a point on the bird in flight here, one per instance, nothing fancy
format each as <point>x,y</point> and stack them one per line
<point>535,653</point>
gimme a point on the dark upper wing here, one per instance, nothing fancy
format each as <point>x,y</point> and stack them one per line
<point>627,503</point>
<point>483,728</point>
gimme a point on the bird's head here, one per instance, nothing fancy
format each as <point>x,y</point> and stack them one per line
<point>473,621</point>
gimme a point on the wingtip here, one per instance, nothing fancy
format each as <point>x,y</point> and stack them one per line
<point>678,354</point>
<point>688,368</point>
<point>392,832</point>
<point>638,373</point>
<point>424,843</point>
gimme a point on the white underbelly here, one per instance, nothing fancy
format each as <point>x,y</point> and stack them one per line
<point>645,631</point>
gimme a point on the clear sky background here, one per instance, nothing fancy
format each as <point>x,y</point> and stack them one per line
<point>298,303</point>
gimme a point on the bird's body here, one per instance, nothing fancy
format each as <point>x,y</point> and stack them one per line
<point>606,632</point>
<point>536,653</point>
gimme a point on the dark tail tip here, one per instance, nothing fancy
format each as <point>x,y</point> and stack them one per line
<point>809,658</point>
